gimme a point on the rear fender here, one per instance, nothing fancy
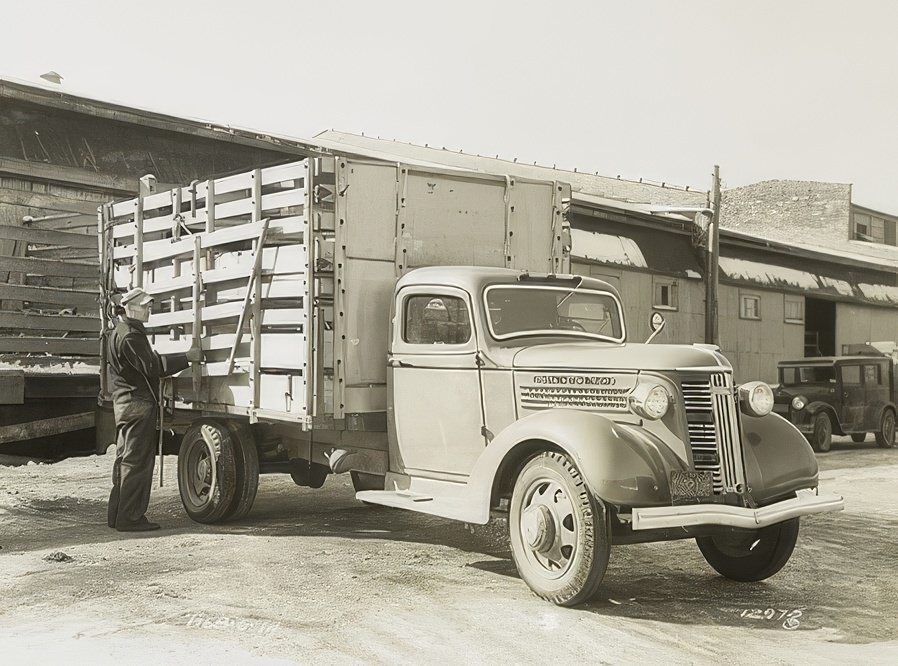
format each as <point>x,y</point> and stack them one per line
<point>621,464</point>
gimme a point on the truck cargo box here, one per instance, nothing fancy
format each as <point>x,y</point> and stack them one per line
<point>284,275</point>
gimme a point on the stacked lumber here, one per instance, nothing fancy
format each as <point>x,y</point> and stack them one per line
<point>49,334</point>
<point>48,288</point>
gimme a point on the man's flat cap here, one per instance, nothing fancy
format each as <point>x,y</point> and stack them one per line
<point>138,296</point>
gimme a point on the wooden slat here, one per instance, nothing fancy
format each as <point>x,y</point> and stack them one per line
<point>65,298</point>
<point>45,322</point>
<point>47,237</point>
<point>54,267</point>
<point>283,199</point>
<point>283,260</point>
<point>182,317</point>
<point>22,432</point>
<point>85,346</point>
<point>164,249</point>
<point>284,172</point>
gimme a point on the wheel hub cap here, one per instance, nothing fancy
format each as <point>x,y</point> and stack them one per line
<point>538,528</point>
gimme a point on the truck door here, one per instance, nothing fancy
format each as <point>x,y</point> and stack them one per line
<point>435,406</point>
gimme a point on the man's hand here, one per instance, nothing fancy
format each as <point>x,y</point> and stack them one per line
<point>195,355</point>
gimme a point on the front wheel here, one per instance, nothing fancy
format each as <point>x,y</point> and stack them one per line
<point>558,531</point>
<point>750,555</point>
<point>822,437</point>
<point>885,437</point>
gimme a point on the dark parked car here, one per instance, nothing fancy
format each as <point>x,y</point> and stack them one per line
<point>846,395</point>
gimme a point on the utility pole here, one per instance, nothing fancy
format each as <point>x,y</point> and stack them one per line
<point>713,262</point>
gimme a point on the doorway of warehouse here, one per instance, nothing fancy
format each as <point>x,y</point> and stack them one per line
<point>819,327</point>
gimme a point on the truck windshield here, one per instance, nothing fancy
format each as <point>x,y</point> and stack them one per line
<point>545,310</point>
<point>814,374</point>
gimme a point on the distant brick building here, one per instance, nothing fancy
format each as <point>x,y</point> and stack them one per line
<point>808,212</point>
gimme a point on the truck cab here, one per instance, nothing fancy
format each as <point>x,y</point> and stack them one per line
<point>518,392</point>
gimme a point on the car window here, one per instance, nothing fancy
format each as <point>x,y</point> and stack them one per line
<point>814,374</point>
<point>436,320</point>
<point>851,374</point>
<point>872,375</point>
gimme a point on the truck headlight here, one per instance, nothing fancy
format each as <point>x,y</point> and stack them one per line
<point>650,401</point>
<point>799,402</point>
<point>756,398</point>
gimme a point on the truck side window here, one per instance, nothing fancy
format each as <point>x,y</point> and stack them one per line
<point>436,320</point>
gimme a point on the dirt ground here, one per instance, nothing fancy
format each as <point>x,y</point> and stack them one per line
<point>313,576</point>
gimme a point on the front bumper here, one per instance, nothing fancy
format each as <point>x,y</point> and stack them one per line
<point>805,502</point>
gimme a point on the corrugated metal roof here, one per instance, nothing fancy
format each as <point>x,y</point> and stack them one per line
<point>602,186</point>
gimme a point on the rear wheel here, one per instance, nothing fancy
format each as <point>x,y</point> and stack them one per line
<point>558,531</point>
<point>247,466</point>
<point>858,437</point>
<point>750,555</point>
<point>822,437</point>
<point>886,435</point>
<point>207,471</point>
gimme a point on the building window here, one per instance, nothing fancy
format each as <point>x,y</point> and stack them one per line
<point>665,294</point>
<point>794,309</point>
<point>862,227</point>
<point>749,306</point>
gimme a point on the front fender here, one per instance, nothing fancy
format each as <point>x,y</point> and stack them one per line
<point>778,458</point>
<point>621,464</point>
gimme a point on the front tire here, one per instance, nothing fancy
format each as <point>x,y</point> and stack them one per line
<point>885,437</point>
<point>750,555</point>
<point>207,471</point>
<point>558,531</point>
<point>822,437</point>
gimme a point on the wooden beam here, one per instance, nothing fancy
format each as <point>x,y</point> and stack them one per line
<point>48,237</point>
<point>46,322</point>
<point>55,201</point>
<point>53,267</point>
<point>85,346</point>
<point>65,298</point>
<point>22,432</point>
<point>68,175</point>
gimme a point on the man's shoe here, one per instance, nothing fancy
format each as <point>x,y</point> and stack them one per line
<point>142,525</point>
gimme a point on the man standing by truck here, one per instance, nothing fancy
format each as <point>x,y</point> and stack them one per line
<point>134,370</point>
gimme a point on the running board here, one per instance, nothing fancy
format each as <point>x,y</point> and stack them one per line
<point>456,508</point>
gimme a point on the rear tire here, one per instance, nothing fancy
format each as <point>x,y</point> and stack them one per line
<point>750,555</point>
<point>558,531</point>
<point>247,465</point>
<point>858,437</point>
<point>885,436</point>
<point>207,471</point>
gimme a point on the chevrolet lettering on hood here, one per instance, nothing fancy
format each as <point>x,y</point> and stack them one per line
<point>591,391</point>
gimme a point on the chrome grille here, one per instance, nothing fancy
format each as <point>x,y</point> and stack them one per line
<point>713,423</point>
<point>544,397</point>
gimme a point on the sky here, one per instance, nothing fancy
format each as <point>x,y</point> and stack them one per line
<point>652,89</point>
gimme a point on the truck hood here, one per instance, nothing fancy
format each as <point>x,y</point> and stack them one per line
<point>593,356</point>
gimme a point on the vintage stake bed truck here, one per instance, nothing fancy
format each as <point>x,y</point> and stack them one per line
<point>417,328</point>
